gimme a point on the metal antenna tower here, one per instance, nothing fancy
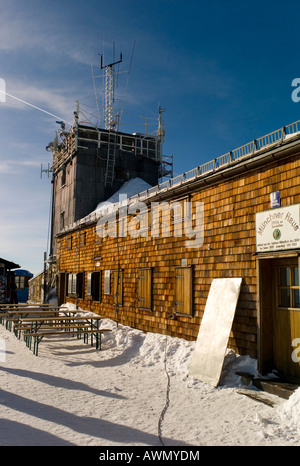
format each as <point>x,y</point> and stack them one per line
<point>110,120</point>
<point>109,116</point>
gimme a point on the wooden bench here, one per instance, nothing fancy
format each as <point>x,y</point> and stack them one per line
<point>15,317</point>
<point>47,317</point>
<point>53,326</point>
<point>37,324</point>
<point>27,311</point>
<point>36,312</point>
<point>4,307</point>
<point>60,317</point>
<point>38,336</point>
<point>64,320</point>
<point>19,327</point>
<point>34,308</point>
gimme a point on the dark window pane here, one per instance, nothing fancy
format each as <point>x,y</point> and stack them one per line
<point>296,302</point>
<point>284,297</point>
<point>296,277</point>
<point>284,276</point>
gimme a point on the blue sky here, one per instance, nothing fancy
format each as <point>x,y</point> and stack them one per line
<point>222,70</point>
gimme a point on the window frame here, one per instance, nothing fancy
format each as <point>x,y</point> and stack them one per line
<point>71,284</point>
<point>80,285</point>
<point>62,220</point>
<point>63,177</point>
<point>91,282</point>
<point>82,238</point>
<point>291,286</point>
<point>69,243</point>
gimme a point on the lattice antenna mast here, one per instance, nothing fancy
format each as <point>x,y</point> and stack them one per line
<point>109,116</point>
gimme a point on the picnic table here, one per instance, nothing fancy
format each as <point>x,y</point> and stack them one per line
<point>38,327</point>
<point>6,307</point>
<point>42,320</point>
<point>11,315</point>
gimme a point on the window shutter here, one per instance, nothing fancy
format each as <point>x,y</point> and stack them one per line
<point>74,283</point>
<point>89,284</point>
<point>183,290</point>
<point>145,288</point>
<point>70,283</point>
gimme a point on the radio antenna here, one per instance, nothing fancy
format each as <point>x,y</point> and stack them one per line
<point>109,117</point>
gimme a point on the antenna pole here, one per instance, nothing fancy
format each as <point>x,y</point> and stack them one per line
<point>110,120</point>
<point>161,130</point>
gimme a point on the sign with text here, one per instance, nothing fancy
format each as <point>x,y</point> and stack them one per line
<point>278,229</point>
<point>275,199</point>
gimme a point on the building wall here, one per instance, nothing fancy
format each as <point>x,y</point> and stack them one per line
<point>79,186</point>
<point>36,289</point>
<point>228,250</point>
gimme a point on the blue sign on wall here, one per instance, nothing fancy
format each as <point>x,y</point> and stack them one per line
<point>275,199</point>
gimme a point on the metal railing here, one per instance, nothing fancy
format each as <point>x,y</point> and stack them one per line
<point>249,149</point>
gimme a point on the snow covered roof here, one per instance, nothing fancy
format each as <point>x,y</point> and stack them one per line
<point>129,190</point>
<point>138,190</point>
<point>9,264</point>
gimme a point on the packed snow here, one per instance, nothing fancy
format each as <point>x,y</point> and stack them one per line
<point>134,392</point>
<point>129,189</point>
<point>120,198</point>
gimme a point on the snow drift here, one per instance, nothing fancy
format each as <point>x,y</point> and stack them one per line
<point>72,394</point>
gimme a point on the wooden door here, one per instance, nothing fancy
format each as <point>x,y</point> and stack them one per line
<point>286,317</point>
<point>62,288</point>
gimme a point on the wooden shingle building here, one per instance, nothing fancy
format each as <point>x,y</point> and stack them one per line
<point>149,262</point>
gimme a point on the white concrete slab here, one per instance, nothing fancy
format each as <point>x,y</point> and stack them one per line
<point>207,360</point>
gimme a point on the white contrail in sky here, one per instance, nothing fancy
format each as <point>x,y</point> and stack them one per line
<point>33,106</point>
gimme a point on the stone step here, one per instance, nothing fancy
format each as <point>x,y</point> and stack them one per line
<point>279,387</point>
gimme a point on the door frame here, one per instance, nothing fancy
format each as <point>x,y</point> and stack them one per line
<point>265,303</point>
<point>62,288</point>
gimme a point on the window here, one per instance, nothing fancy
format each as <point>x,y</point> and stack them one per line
<point>145,288</point>
<point>183,290</point>
<point>182,218</point>
<point>69,243</point>
<point>288,289</point>
<point>71,289</point>
<point>80,285</point>
<point>63,177</point>
<point>17,281</point>
<point>93,289</point>
<point>118,286</point>
<point>75,284</point>
<point>62,220</point>
<point>98,234</point>
<point>120,174</point>
<point>96,286</point>
<point>82,239</point>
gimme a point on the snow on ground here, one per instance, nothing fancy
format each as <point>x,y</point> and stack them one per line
<point>73,394</point>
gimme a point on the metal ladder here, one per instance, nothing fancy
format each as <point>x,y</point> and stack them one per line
<point>110,161</point>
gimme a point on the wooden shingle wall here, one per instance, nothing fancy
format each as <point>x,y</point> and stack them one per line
<point>228,250</point>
